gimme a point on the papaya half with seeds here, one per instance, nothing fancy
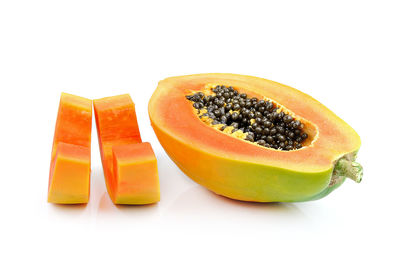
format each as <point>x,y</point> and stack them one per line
<point>253,139</point>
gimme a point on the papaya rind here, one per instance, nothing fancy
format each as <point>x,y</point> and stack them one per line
<point>243,180</point>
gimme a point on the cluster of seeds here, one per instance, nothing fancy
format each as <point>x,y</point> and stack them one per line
<point>260,120</point>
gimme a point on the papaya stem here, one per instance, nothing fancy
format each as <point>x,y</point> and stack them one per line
<point>350,169</point>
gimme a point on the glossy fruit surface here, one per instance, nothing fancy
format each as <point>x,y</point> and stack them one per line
<point>242,170</point>
<point>69,181</point>
<point>130,166</point>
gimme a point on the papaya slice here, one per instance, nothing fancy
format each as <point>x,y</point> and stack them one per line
<point>69,181</point>
<point>130,166</point>
<point>254,157</point>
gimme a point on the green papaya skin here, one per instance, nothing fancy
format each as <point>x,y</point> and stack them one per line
<point>249,181</point>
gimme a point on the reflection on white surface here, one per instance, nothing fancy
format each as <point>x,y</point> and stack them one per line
<point>199,201</point>
<point>182,202</point>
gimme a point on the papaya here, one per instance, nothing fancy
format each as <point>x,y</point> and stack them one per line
<point>69,180</point>
<point>130,166</point>
<point>253,139</point>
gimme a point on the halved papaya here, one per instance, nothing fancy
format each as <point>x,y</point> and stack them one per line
<point>69,181</point>
<point>130,166</point>
<point>253,139</point>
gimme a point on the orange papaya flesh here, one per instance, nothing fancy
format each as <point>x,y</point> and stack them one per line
<point>135,171</point>
<point>130,177</point>
<point>69,181</point>
<point>231,166</point>
<point>70,174</point>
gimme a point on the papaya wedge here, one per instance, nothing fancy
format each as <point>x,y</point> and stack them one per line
<point>130,166</point>
<point>69,181</point>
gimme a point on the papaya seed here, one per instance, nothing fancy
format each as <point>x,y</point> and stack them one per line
<point>256,120</point>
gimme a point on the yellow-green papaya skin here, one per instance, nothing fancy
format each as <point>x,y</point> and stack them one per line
<point>237,169</point>
<point>338,176</point>
<point>243,181</point>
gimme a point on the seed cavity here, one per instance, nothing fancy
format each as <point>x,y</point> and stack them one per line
<point>258,121</point>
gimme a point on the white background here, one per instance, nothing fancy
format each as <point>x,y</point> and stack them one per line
<point>343,53</point>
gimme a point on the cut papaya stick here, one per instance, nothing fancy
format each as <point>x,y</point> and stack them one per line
<point>130,166</point>
<point>70,174</point>
<point>136,175</point>
<point>69,180</point>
